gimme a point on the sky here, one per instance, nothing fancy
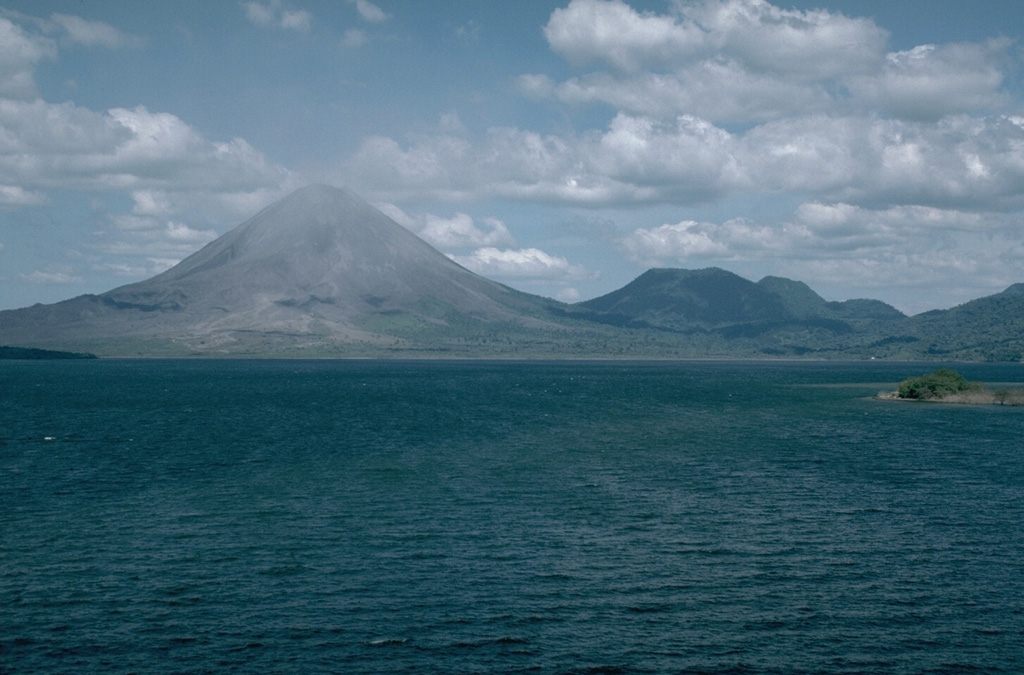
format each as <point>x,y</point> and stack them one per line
<point>869,148</point>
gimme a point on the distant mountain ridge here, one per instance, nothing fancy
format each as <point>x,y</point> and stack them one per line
<point>323,273</point>
<point>781,317</point>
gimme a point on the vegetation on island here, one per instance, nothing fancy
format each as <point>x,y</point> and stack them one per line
<point>948,386</point>
<point>941,383</point>
<point>33,354</point>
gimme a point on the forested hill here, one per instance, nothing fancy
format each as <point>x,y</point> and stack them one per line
<point>731,315</point>
<point>31,354</point>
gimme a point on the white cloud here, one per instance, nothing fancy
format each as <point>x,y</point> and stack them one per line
<point>636,159</point>
<point>51,277</point>
<point>354,38</point>
<point>723,60</point>
<point>818,230</point>
<point>140,269</point>
<point>184,233</point>
<point>16,196</point>
<point>744,61</point>
<point>137,239</point>
<point>299,20</point>
<point>276,14</point>
<point>26,40</point>
<point>258,13</point>
<point>458,231</point>
<point>520,263</point>
<point>20,51</point>
<point>611,31</point>
<point>151,203</point>
<point>674,242</point>
<point>93,33</point>
<point>489,237</point>
<point>369,11</point>
<point>961,161</point>
<point>45,146</point>
<point>535,86</point>
<point>810,45</point>
<point>568,294</point>
<point>931,81</point>
<point>718,90</point>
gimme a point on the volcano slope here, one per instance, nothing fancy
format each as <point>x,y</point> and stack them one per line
<point>321,272</point>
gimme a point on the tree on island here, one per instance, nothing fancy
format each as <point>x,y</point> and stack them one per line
<point>948,386</point>
<point>941,383</point>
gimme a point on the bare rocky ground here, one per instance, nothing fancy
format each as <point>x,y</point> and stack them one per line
<point>1012,397</point>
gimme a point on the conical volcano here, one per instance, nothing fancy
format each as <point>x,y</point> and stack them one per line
<point>319,269</point>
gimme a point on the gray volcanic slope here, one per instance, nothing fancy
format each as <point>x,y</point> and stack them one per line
<point>321,266</point>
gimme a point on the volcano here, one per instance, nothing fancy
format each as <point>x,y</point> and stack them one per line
<point>319,271</point>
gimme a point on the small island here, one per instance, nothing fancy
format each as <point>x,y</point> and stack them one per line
<point>945,385</point>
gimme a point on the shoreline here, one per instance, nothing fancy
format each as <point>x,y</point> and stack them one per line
<point>1012,398</point>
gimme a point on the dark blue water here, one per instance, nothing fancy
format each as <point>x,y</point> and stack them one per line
<point>382,517</point>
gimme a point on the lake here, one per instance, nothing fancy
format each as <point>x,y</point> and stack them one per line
<point>189,516</point>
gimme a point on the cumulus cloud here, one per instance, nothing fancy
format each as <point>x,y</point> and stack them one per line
<point>51,277</point>
<point>810,45</point>
<point>15,195</point>
<point>680,241</point>
<point>354,38</point>
<point>817,230</point>
<point>491,256</point>
<point>458,231</point>
<point>151,203</point>
<point>275,14</point>
<point>520,263</point>
<point>137,269</point>
<point>369,11</point>
<point>613,32</point>
<point>929,82</point>
<point>156,240</point>
<point>724,60</point>
<point>960,162</point>
<point>492,253</point>
<point>45,146</point>
<point>636,159</point>
<point>748,61</point>
<point>20,51</point>
<point>824,112</point>
<point>77,30</point>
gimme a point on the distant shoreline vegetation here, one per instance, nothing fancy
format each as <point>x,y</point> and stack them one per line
<point>33,354</point>
<point>945,385</point>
